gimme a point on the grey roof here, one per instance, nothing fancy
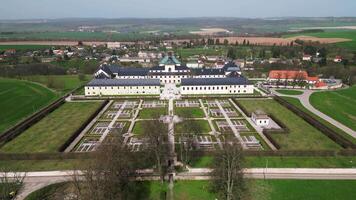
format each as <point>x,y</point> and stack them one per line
<point>208,71</point>
<point>124,82</point>
<point>215,81</point>
<point>124,71</point>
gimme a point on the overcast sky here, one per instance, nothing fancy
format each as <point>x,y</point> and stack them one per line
<point>35,9</point>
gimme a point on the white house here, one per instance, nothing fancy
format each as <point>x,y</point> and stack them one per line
<point>307,57</point>
<point>115,80</point>
<point>113,45</point>
<point>260,118</point>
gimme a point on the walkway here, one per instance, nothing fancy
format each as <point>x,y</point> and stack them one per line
<point>233,128</point>
<point>304,99</point>
<point>257,128</point>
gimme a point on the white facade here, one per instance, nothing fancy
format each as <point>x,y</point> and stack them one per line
<point>217,89</point>
<point>120,90</point>
<point>260,119</point>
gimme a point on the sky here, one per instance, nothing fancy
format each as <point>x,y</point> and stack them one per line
<point>52,9</point>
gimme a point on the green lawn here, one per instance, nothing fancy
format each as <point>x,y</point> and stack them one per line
<point>290,92</point>
<point>189,112</point>
<point>203,125</point>
<point>52,131</point>
<point>257,190</point>
<point>138,128</point>
<point>297,103</point>
<point>303,189</point>
<point>60,83</point>
<point>302,135</point>
<point>286,162</point>
<point>20,99</point>
<point>340,105</point>
<point>149,113</point>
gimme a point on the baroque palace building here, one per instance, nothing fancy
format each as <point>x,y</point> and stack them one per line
<point>112,80</point>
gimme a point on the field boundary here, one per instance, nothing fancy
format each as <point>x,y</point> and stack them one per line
<point>21,126</point>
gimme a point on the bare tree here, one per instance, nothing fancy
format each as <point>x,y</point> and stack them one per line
<point>10,184</point>
<point>157,145</point>
<point>227,174</point>
<point>108,175</point>
<point>188,139</point>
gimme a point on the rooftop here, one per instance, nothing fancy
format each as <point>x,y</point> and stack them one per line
<point>215,81</point>
<point>124,82</point>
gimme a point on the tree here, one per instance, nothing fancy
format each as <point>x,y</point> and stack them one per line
<point>227,175</point>
<point>10,183</point>
<point>157,145</point>
<point>231,53</point>
<point>217,41</point>
<point>107,176</point>
<point>81,77</point>
<point>226,42</point>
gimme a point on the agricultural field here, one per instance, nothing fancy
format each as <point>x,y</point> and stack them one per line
<point>340,105</point>
<point>60,83</point>
<point>19,99</point>
<point>51,132</point>
<point>345,34</point>
<point>23,47</point>
<point>302,136</point>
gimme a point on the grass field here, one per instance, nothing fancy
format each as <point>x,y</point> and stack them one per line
<point>189,112</point>
<point>339,105</point>
<point>20,99</point>
<point>202,124</point>
<point>304,189</point>
<point>52,131</point>
<point>60,83</point>
<point>347,34</point>
<point>290,92</point>
<point>302,135</point>
<point>185,53</point>
<point>149,113</point>
<point>23,47</point>
<point>257,190</point>
<point>297,103</point>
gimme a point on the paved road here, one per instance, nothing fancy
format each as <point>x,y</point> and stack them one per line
<point>304,99</point>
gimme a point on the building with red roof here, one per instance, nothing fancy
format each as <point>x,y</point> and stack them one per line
<point>291,75</point>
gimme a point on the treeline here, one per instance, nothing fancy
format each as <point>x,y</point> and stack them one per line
<point>31,69</point>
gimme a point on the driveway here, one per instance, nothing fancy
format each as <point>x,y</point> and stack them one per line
<point>304,99</point>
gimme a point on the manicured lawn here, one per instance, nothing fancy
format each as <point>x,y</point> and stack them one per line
<point>302,135</point>
<point>20,99</point>
<point>297,103</point>
<point>340,105</point>
<point>189,112</point>
<point>138,128</point>
<point>183,190</point>
<point>203,125</point>
<point>60,83</point>
<point>290,92</point>
<point>41,165</point>
<point>52,131</point>
<point>304,189</point>
<point>286,162</point>
<point>149,113</point>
